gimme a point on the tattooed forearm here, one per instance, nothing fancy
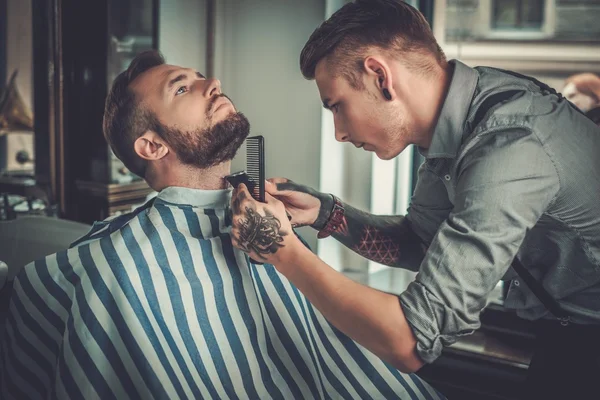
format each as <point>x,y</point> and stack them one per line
<point>378,247</point>
<point>262,235</point>
<point>384,239</point>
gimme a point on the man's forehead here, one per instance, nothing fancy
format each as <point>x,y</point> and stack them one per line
<point>154,79</point>
<point>323,72</point>
<point>327,81</point>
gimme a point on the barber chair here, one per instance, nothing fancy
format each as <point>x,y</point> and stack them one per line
<point>29,230</point>
<point>29,238</point>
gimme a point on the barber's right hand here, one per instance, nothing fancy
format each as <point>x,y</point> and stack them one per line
<point>305,205</point>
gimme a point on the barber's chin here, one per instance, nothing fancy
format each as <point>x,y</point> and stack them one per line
<point>372,149</point>
<point>384,155</point>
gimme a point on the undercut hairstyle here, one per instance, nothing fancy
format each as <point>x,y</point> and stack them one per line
<point>125,117</point>
<point>391,25</point>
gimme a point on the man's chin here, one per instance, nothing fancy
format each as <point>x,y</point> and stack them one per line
<point>236,128</point>
<point>385,156</point>
<point>212,146</point>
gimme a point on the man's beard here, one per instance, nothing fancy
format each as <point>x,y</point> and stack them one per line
<point>205,148</point>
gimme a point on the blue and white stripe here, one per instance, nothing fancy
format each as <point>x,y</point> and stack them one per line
<point>160,305</point>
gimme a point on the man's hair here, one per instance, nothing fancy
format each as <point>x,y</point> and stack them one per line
<point>125,117</point>
<point>392,25</point>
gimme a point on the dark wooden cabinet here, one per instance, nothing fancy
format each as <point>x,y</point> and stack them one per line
<point>79,48</point>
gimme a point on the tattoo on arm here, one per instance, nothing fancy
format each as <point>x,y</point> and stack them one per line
<point>378,247</point>
<point>262,235</point>
<point>378,238</point>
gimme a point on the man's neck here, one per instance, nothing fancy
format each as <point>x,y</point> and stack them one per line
<point>212,178</point>
<point>435,96</point>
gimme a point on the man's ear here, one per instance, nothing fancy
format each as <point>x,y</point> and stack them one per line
<point>150,146</point>
<point>379,71</point>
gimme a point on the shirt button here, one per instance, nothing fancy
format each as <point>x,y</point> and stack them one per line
<point>517,283</point>
<point>447,177</point>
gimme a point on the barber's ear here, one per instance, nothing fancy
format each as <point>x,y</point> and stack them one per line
<point>150,146</point>
<point>379,70</point>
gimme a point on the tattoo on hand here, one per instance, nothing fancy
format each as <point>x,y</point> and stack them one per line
<point>259,234</point>
<point>325,199</point>
<point>377,247</point>
<point>237,202</point>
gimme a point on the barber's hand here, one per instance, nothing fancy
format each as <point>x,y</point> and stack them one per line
<point>305,205</point>
<point>262,230</point>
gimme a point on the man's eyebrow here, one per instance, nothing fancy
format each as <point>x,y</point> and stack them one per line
<point>199,75</point>
<point>173,81</point>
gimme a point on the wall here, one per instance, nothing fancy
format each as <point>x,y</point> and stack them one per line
<point>182,32</point>
<point>2,42</point>
<point>257,53</point>
<point>19,46</point>
<point>258,44</point>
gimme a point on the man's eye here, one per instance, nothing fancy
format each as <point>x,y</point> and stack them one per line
<point>181,90</point>
<point>335,107</point>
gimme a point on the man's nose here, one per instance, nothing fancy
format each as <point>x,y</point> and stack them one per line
<point>340,136</point>
<point>213,87</point>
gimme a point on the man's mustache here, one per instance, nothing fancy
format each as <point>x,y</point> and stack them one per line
<point>211,104</point>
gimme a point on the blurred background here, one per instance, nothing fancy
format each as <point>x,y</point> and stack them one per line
<point>59,57</point>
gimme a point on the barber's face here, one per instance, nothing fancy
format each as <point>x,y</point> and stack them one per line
<point>200,123</point>
<point>361,117</point>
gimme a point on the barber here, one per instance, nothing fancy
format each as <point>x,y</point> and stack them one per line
<point>510,189</point>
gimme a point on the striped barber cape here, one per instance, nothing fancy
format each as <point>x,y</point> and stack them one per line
<point>159,304</point>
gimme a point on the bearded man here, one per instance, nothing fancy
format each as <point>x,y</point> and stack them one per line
<point>157,303</point>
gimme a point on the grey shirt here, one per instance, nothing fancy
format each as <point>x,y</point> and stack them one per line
<point>522,179</point>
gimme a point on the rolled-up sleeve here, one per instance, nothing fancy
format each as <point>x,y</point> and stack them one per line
<point>502,188</point>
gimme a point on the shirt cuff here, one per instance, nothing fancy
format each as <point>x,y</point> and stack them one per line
<point>424,312</point>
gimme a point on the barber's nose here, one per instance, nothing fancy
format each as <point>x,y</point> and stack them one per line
<point>340,136</point>
<point>213,87</point>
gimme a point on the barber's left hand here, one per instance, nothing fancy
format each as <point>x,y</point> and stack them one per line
<point>262,230</point>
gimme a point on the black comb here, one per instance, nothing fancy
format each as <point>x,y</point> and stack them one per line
<point>254,177</point>
<point>255,166</point>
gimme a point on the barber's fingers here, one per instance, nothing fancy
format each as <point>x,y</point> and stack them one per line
<point>241,188</point>
<point>273,201</point>
<point>277,205</point>
<point>281,187</point>
<point>244,193</point>
<point>278,180</point>
<point>271,186</point>
<point>240,198</point>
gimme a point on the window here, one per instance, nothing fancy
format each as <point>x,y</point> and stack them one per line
<point>555,21</point>
<point>518,14</point>
<point>549,39</point>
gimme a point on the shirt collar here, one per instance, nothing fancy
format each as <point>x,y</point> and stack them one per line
<point>447,135</point>
<point>196,197</point>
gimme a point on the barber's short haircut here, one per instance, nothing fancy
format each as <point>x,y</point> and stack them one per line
<point>125,117</point>
<point>392,25</point>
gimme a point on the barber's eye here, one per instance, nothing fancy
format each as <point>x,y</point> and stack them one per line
<point>181,90</point>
